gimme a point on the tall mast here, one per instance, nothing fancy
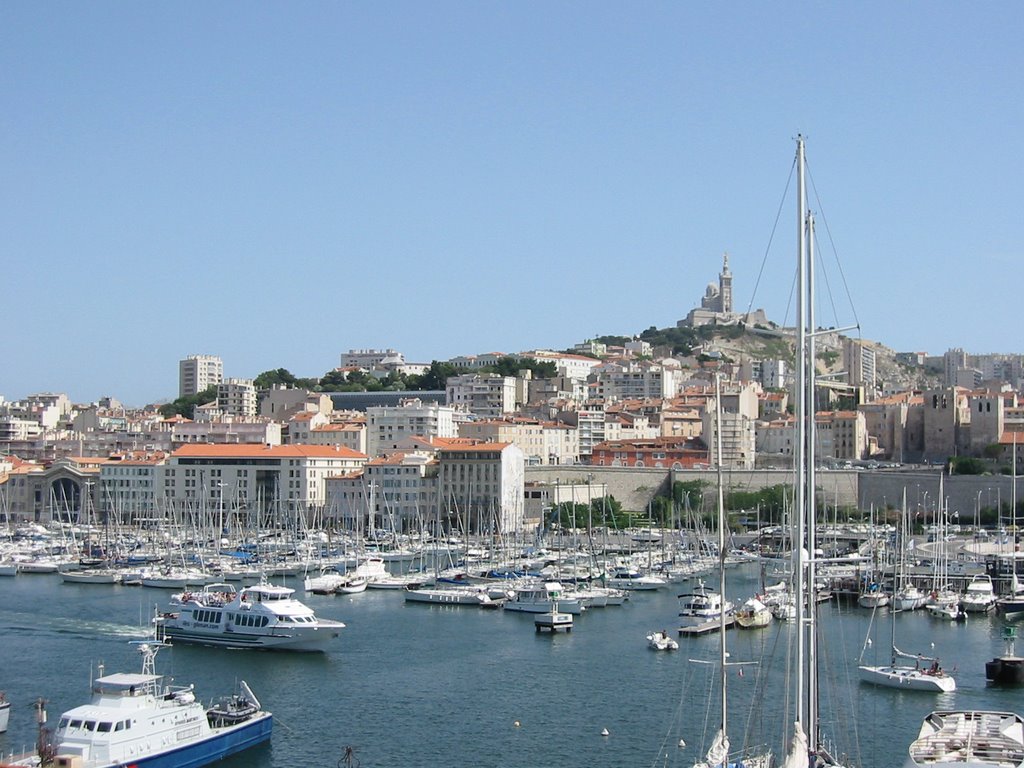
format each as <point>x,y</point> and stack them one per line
<point>721,548</point>
<point>800,410</point>
<point>810,500</point>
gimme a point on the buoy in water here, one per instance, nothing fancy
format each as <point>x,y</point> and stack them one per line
<point>516,723</point>
<point>604,731</point>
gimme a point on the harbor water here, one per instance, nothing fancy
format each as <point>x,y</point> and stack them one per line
<point>418,685</point>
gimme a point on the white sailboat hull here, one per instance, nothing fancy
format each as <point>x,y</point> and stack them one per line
<point>907,678</point>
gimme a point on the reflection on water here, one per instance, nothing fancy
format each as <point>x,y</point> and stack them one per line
<point>419,685</point>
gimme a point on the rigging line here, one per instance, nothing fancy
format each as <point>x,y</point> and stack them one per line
<point>835,253</point>
<point>775,226</point>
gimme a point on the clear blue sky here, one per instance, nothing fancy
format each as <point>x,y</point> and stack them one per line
<point>276,183</point>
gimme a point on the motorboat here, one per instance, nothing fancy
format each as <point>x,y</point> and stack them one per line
<point>540,597</point>
<point>968,738</point>
<point>950,610</point>
<point>264,616</point>
<point>452,594</point>
<point>627,577</point>
<point>173,578</point>
<point>701,606</point>
<point>140,719</point>
<point>980,595</point>
<point>91,576</point>
<point>661,641</point>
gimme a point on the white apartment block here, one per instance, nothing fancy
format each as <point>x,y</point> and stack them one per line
<point>349,434</point>
<point>226,430</point>
<point>472,362</point>
<point>577,367</point>
<point>771,374</point>
<point>393,493</point>
<point>196,373</point>
<point>302,424</point>
<point>480,487</point>
<point>237,397</point>
<point>634,381</point>
<point>488,396</point>
<point>859,362</point>
<point>281,402</point>
<point>370,358</point>
<point>542,442</point>
<point>12,428</point>
<point>738,435</point>
<point>129,489</point>
<point>269,480</point>
<point>387,427</point>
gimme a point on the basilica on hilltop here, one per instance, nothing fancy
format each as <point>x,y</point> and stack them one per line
<point>716,308</point>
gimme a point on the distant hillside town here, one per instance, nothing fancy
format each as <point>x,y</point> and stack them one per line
<point>380,440</point>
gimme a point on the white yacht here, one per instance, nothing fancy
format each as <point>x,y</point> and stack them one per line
<point>980,595</point>
<point>140,719</point>
<point>5,711</point>
<point>701,606</point>
<point>537,597</point>
<point>264,616</point>
<point>452,594</point>
<point>627,577</point>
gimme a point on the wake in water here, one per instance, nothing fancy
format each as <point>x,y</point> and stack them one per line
<point>32,623</point>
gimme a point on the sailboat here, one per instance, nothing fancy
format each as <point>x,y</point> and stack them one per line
<point>718,754</point>
<point>924,674</point>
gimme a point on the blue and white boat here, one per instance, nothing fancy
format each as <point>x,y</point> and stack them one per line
<point>142,720</point>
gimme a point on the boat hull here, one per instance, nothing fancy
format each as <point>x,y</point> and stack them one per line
<point>224,743</point>
<point>907,679</point>
<point>307,641</point>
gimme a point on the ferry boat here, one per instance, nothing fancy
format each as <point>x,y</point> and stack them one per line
<point>263,616</point>
<point>141,720</point>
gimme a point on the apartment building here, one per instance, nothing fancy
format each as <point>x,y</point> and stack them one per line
<point>635,381</point>
<point>488,396</point>
<point>387,427</point>
<point>237,397</point>
<point>480,487</point>
<point>397,492</point>
<point>661,453</point>
<point>269,479</point>
<point>196,373</point>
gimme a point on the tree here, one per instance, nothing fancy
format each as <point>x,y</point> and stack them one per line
<point>332,380</point>
<point>435,378</point>
<point>186,406</point>
<point>967,465</point>
<point>283,377</point>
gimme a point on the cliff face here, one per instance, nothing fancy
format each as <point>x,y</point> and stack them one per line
<point>777,344</point>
